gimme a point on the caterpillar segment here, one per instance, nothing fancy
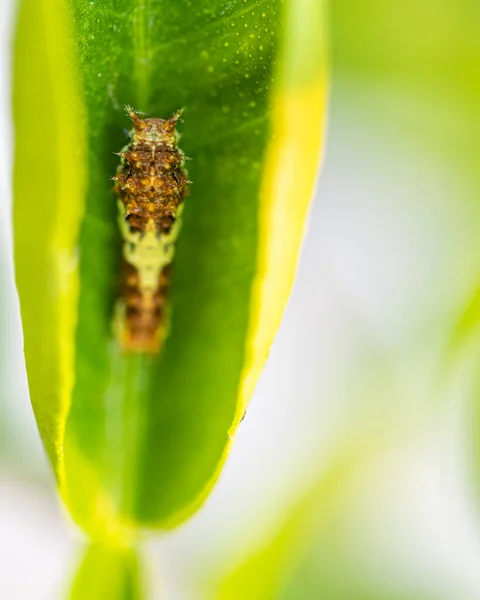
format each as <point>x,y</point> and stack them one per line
<point>151,184</point>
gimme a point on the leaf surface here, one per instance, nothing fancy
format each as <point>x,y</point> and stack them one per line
<point>139,440</point>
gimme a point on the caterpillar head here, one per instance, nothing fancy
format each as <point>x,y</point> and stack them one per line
<point>158,131</point>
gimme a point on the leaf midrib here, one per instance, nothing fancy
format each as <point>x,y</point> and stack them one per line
<point>141,43</point>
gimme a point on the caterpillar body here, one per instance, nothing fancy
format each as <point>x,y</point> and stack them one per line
<point>151,184</point>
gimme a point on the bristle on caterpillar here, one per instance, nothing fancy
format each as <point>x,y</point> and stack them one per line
<point>151,184</point>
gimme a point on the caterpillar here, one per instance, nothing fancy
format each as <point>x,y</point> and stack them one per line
<point>151,184</point>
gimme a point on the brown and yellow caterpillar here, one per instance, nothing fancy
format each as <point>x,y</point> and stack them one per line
<point>151,183</point>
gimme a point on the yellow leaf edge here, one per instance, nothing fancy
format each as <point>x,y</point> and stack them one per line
<point>73,186</point>
<point>288,186</point>
<point>53,23</point>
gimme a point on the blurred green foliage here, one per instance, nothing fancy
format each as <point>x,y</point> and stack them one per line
<point>419,62</point>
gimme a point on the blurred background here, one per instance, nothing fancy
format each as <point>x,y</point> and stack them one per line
<point>354,475</point>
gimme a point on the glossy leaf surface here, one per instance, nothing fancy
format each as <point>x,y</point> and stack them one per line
<point>136,439</point>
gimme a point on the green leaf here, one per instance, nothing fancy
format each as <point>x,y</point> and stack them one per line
<point>107,572</point>
<point>306,557</point>
<point>267,571</point>
<point>136,440</point>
